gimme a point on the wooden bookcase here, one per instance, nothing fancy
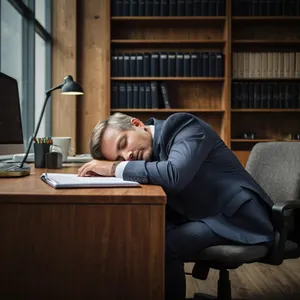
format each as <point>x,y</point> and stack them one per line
<point>210,98</point>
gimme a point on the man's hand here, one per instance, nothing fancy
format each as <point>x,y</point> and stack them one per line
<point>96,167</point>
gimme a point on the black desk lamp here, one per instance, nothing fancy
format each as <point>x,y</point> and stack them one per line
<point>68,87</point>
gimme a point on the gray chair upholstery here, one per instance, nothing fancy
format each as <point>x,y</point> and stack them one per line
<point>276,167</point>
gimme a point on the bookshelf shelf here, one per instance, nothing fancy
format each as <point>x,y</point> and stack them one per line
<point>267,79</point>
<point>168,110</point>
<point>266,41</point>
<point>170,18</point>
<point>268,110</point>
<point>168,78</point>
<point>167,41</point>
<point>266,18</point>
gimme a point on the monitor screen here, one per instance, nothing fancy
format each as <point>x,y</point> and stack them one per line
<point>11,134</point>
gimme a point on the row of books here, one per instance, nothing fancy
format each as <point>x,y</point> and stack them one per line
<point>266,64</point>
<point>139,95</point>
<point>168,7</point>
<point>266,8</point>
<point>265,95</point>
<point>163,64</point>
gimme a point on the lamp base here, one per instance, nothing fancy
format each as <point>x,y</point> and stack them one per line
<point>13,170</point>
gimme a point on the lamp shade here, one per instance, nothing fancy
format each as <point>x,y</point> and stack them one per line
<point>71,87</point>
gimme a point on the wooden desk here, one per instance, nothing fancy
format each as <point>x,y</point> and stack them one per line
<point>82,244</point>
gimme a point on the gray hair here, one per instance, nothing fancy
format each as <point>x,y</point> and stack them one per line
<point>118,121</point>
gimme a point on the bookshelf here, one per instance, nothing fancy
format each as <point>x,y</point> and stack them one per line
<point>211,97</point>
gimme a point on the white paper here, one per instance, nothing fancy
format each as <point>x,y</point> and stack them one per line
<point>59,180</point>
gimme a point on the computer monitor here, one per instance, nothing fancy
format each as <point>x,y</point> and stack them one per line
<point>11,134</point>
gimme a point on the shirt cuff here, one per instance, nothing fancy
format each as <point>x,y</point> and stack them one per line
<point>120,169</point>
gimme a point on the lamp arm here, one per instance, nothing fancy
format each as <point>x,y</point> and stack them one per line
<point>48,93</point>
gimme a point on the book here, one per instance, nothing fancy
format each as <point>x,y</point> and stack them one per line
<point>64,181</point>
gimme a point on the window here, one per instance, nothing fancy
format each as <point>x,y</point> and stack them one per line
<point>11,40</point>
<point>25,55</point>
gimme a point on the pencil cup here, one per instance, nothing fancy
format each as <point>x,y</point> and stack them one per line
<point>40,151</point>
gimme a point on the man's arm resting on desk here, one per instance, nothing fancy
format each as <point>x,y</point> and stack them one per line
<point>103,168</point>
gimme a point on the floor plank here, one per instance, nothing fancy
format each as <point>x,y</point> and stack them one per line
<point>253,282</point>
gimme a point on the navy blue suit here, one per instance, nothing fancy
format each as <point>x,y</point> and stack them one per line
<point>211,198</point>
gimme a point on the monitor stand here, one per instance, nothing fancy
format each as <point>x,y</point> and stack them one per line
<point>13,170</point>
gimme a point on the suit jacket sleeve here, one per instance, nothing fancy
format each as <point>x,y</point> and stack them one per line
<point>185,143</point>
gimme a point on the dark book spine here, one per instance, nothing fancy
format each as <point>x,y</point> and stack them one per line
<point>197,7</point>
<point>269,95</point>
<point>251,94</point>
<point>164,9</point>
<point>234,102</point>
<point>154,94</point>
<point>189,7</point>
<point>125,8</point>
<point>122,95</point>
<point>205,64</point>
<point>179,64</point>
<point>149,8</point>
<point>142,99</point>
<point>194,64</point>
<point>200,64</point>
<point>129,95</point>
<point>118,8</point>
<point>220,8</point>
<point>154,64</point>
<point>156,8</point>
<point>163,64</point>
<point>212,7</point>
<point>180,7</point>
<point>171,64</point>
<point>133,8</point>
<point>141,8</point>
<point>126,64</point>
<point>147,65</point>
<point>135,93</point>
<point>187,65</point>
<point>219,64</point>
<point>132,67</point>
<point>172,8</point>
<point>257,96</point>
<point>204,7</point>
<point>121,65</point>
<point>139,65</point>
<point>114,95</point>
<point>148,95</point>
<point>165,95</point>
<point>114,64</point>
<point>212,64</point>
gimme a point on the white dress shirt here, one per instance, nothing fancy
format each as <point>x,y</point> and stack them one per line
<point>121,166</point>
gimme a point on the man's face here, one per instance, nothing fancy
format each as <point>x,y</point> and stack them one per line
<point>135,144</point>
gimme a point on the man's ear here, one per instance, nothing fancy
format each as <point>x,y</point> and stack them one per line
<point>137,123</point>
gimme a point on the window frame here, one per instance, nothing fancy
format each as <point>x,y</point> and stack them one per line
<point>31,26</point>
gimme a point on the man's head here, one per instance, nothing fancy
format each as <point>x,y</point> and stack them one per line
<point>121,137</point>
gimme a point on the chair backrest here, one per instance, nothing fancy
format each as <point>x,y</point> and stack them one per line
<point>276,167</point>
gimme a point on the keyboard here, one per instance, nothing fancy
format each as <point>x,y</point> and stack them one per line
<point>80,158</point>
<point>6,157</point>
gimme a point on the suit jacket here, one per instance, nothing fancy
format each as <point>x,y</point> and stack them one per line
<point>203,179</point>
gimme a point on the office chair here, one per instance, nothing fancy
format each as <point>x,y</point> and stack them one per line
<point>276,167</point>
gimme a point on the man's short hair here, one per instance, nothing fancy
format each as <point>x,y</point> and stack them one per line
<point>118,121</point>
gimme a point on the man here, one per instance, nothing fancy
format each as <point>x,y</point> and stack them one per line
<point>211,199</point>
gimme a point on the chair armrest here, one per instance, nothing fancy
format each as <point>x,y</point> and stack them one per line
<point>278,210</point>
<point>283,221</point>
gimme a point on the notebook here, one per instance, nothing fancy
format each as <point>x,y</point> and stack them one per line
<point>62,181</point>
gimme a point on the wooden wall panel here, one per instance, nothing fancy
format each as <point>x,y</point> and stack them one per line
<point>64,63</point>
<point>93,67</point>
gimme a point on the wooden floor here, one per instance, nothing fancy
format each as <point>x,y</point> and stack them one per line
<point>254,282</point>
